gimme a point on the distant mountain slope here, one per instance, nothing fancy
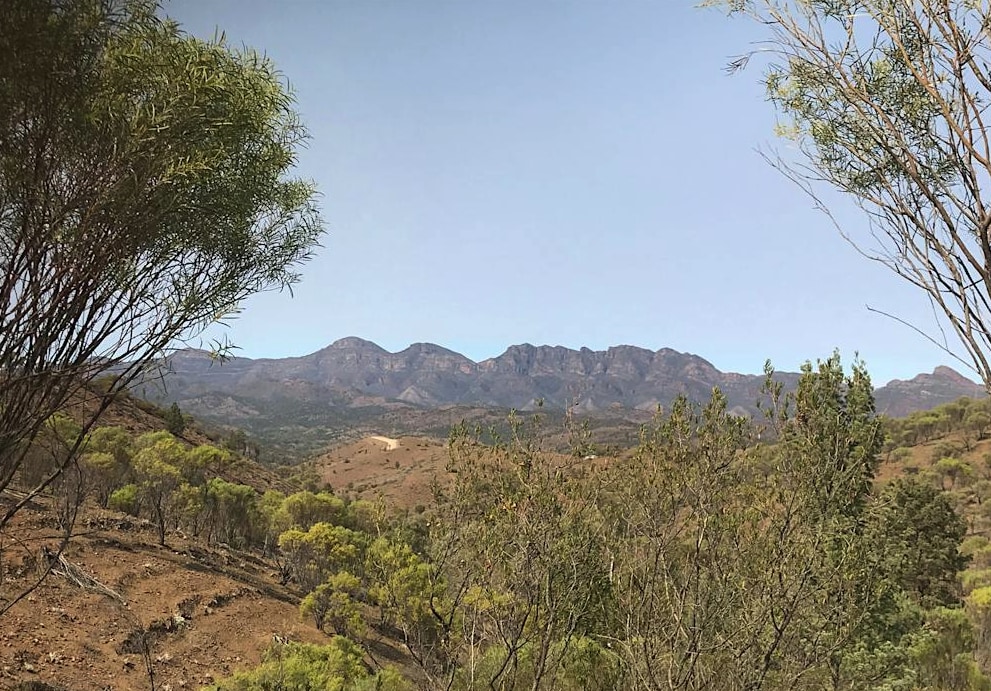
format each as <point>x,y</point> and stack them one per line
<point>349,387</point>
<point>353,373</point>
<point>924,391</point>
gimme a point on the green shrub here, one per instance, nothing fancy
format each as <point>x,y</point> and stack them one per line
<point>127,499</point>
<point>332,602</point>
<point>581,665</point>
<point>975,578</point>
<point>971,545</point>
<point>981,557</point>
<point>337,666</point>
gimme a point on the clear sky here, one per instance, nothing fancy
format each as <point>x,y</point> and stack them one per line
<point>562,172</point>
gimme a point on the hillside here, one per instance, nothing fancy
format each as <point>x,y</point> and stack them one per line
<point>399,472</point>
<point>354,388</point>
<point>899,398</point>
<point>207,609</point>
<point>118,606</point>
<point>137,416</point>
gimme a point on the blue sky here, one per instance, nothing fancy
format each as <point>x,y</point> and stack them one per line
<point>563,172</point>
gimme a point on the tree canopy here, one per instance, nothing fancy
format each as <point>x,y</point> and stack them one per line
<point>145,191</point>
<point>886,101</point>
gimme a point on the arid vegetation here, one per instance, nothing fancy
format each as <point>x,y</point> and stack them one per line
<point>817,547</point>
<point>813,546</point>
<point>122,231</point>
<point>884,101</point>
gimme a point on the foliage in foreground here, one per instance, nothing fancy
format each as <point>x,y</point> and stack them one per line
<point>884,101</point>
<point>702,559</point>
<point>145,192</point>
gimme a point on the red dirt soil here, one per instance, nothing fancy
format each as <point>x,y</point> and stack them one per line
<point>401,477</point>
<point>211,611</point>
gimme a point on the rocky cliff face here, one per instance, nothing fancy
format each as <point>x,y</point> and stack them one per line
<point>355,372</point>
<point>352,387</point>
<point>426,374</point>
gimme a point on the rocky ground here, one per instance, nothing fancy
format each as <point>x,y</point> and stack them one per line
<point>204,612</point>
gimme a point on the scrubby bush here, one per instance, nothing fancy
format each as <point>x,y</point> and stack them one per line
<point>337,666</point>
<point>126,499</point>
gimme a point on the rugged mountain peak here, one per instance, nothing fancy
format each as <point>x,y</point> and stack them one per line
<point>923,391</point>
<point>515,358</point>
<point>429,357</point>
<point>529,360</point>
<point>628,350</point>
<point>191,353</point>
<point>353,372</point>
<point>941,374</point>
<point>355,343</point>
<point>950,374</point>
<point>195,359</point>
<point>430,350</point>
<point>520,349</point>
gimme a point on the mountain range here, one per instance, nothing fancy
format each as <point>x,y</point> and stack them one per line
<point>353,382</point>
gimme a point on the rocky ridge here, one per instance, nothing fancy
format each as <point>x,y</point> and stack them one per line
<point>354,387</point>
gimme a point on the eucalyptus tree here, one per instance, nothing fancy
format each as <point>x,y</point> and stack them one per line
<point>519,576</point>
<point>744,566</point>
<point>886,102</point>
<point>145,192</point>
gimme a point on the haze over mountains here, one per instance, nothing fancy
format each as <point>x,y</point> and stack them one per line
<point>353,382</point>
